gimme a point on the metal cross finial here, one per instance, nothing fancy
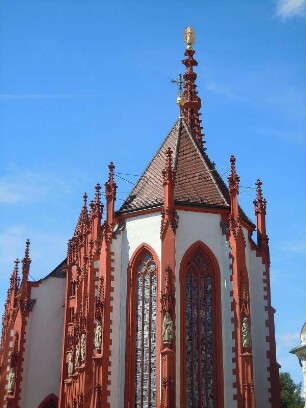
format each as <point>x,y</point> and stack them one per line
<point>179,82</point>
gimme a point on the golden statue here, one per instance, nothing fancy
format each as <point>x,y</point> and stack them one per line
<point>189,37</point>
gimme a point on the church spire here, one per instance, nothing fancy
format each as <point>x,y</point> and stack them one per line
<point>192,103</point>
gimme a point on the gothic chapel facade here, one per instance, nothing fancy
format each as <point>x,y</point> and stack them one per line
<point>166,301</point>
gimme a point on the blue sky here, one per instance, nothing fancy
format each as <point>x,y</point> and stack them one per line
<point>84,82</point>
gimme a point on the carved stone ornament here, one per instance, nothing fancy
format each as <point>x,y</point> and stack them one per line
<point>11,381</point>
<point>168,329</point>
<point>70,364</point>
<point>83,347</point>
<point>246,333</point>
<point>77,356</point>
<point>98,336</point>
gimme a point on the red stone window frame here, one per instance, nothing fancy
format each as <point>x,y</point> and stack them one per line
<point>214,272</point>
<point>130,372</point>
<point>50,401</point>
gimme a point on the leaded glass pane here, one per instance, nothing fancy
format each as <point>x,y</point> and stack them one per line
<point>145,390</point>
<point>199,333</point>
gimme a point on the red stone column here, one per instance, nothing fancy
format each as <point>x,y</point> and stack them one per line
<point>167,329</point>
<point>102,362</point>
<point>241,302</point>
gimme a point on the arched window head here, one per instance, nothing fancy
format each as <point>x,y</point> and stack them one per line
<point>145,279</point>
<point>199,325</point>
<point>51,401</point>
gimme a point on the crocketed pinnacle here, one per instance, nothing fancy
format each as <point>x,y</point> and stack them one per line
<point>260,203</point>
<point>26,261</point>
<point>192,103</point>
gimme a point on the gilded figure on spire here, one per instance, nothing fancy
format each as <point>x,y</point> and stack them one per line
<point>189,37</point>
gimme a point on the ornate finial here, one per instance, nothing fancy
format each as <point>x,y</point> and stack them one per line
<point>98,194</point>
<point>189,37</point>
<point>85,196</point>
<point>260,203</point>
<point>26,261</point>
<point>258,184</point>
<point>14,276</point>
<point>27,250</point>
<point>16,262</point>
<point>192,103</point>
<point>111,167</point>
<point>169,152</point>
<point>233,178</point>
<point>168,173</point>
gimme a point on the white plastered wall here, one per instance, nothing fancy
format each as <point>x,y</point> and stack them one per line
<point>196,226</point>
<point>138,230</point>
<point>259,330</point>
<point>43,343</point>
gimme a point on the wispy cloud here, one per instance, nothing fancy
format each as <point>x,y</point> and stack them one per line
<point>290,339</point>
<point>27,186</point>
<point>222,89</point>
<point>295,247</point>
<point>292,136</point>
<point>290,8</point>
<point>8,97</point>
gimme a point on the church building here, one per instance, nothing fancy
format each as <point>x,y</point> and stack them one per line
<point>164,303</point>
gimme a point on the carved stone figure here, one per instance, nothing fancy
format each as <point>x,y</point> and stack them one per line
<point>98,336</point>
<point>70,364</point>
<point>246,333</point>
<point>11,381</point>
<point>168,330</point>
<point>83,347</point>
<point>77,356</point>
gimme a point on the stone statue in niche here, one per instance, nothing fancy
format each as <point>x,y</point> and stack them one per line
<point>77,356</point>
<point>168,330</point>
<point>83,347</point>
<point>11,381</point>
<point>246,333</point>
<point>70,364</point>
<point>98,336</point>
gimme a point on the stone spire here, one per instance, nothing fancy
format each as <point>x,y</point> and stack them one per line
<point>15,276</point>
<point>26,261</point>
<point>192,103</point>
<point>260,205</point>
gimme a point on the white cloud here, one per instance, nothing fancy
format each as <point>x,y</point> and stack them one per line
<point>223,89</point>
<point>290,8</point>
<point>290,339</point>
<point>27,186</point>
<point>296,247</point>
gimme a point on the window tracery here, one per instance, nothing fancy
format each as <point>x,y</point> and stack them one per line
<point>145,384</point>
<point>199,325</point>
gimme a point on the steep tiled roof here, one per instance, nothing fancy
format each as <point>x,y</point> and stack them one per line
<point>197,181</point>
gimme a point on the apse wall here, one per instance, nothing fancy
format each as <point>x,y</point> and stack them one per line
<point>204,227</point>
<point>43,342</point>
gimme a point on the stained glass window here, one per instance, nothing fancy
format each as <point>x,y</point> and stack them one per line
<point>145,392</point>
<point>199,348</point>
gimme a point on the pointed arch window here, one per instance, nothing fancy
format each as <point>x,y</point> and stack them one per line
<point>145,358</point>
<point>200,330</point>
